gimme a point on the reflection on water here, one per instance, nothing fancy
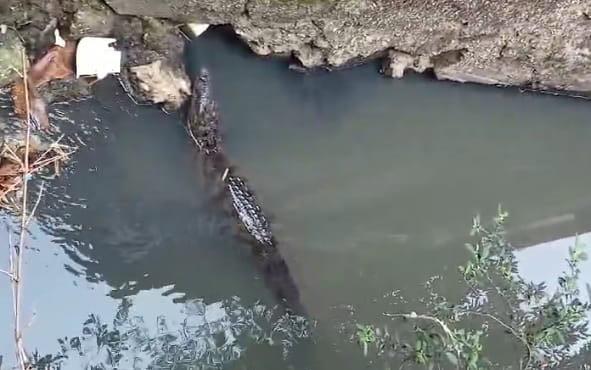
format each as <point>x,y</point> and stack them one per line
<point>371,185</point>
<point>142,207</point>
<point>552,256</point>
<point>208,336</point>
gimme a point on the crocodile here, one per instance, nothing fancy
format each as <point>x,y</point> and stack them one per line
<point>203,118</point>
<point>203,126</point>
<point>249,212</point>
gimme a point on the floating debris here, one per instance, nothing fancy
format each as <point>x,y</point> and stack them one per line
<point>38,108</point>
<point>12,166</point>
<point>56,64</point>
<point>196,29</point>
<point>97,57</point>
<point>58,38</point>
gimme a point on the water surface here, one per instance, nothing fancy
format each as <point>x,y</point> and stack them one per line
<point>371,184</point>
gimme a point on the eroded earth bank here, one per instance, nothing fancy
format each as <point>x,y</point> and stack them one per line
<point>535,44</point>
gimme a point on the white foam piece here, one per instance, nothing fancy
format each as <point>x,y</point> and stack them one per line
<point>197,28</point>
<point>96,57</point>
<point>59,40</point>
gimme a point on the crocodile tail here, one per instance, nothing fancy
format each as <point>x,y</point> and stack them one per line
<point>279,280</point>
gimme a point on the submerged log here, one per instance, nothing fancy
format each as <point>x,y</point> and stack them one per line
<point>203,126</point>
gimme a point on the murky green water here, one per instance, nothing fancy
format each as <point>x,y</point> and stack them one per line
<point>371,184</point>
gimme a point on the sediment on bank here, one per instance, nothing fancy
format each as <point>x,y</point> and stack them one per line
<point>540,45</point>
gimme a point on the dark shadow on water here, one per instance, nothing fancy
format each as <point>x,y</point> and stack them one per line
<point>229,59</point>
<point>132,209</point>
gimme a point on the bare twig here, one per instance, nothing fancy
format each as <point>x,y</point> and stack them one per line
<point>451,336</point>
<point>444,327</point>
<point>41,188</point>
<point>7,274</point>
<point>55,154</point>
<point>17,282</point>
<point>414,316</point>
<point>509,328</point>
<point>20,168</point>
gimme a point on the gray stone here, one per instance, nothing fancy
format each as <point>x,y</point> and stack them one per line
<point>200,11</point>
<point>397,63</point>
<point>92,21</point>
<point>161,83</point>
<point>60,91</point>
<point>11,56</point>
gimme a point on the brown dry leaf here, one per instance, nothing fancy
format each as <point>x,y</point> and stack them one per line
<point>58,63</point>
<point>38,106</point>
<point>18,98</point>
<point>8,184</point>
<point>9,169</point>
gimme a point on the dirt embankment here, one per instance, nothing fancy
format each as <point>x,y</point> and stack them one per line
<point>542,44</point>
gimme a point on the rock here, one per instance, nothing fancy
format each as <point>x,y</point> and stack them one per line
<point>11,56</point>
<point>59,91</point>
<point>97,20</point>
<point>146,40</point>
<point>396,63</point>
<point>199,11</point>
<point>161,84</point>
<point>542,43</point>
<point>309,56</point>
<point>35,21</point>
<point>147,45</point>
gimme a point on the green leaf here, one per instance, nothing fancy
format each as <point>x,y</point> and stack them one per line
<point>473,361</point>
<point>560,337</point>
<point>418,345</point>
<point>452,358</point>
<point>468,268</point>
<point>485,252</point>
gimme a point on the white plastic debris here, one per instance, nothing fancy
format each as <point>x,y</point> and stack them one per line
<point>197,28</point>
<point>96,57</point>
<point>58,39</point>
<point>3,28</point>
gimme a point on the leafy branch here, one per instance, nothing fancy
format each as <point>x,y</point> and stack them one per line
<point>550,326</point>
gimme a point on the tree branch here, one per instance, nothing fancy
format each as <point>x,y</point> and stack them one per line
<point>510,329</point>
<point>7,274</point>
<point>444,327</point>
